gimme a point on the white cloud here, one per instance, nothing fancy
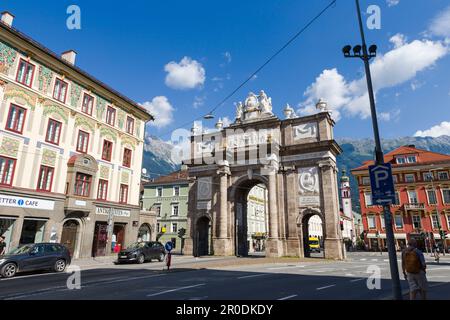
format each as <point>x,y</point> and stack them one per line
<point>161,109</point>
<point>392,3</point>
<point>396,67</point>
<point>199,101</point>
<point>187,74</point>
<point>390,115</point>
<point>398,40</point>
<point>227,56</point>
<point>440,25</point>
<point>439,130</point>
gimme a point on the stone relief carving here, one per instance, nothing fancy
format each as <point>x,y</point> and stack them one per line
<point>9,147</point>
<point>308,182</point>
<point>204,190</point>
<point>48,157</point>
<point>305,130</point>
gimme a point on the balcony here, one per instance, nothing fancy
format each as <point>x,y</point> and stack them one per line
<point>414,206</point>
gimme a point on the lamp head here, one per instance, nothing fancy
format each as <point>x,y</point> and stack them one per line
<point>346,50</point>
<point>357,50</point>
<point>373,50</point>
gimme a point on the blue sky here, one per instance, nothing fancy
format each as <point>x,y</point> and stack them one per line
<point>180,58</point>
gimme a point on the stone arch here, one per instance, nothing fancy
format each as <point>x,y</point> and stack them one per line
<point>203,235</point>
<point>74,216</point>
<point>303,226</point>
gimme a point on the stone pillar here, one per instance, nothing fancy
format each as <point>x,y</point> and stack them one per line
<point>274,245</point>
<point>222,243</point>
<point>291,199</point>
<point>16,233</point>
<point>334,248</point>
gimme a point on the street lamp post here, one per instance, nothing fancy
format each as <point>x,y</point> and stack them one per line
<point>366,55</point>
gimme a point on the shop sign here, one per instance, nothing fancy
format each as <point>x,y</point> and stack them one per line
<point>113,211</point>
<point>28,203</point>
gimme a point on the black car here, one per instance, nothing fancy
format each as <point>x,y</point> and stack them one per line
<point>142,251</point>
<point>32,257</point>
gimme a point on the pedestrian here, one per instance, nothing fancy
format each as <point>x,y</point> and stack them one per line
<point>2,245</point>
<point>414,270</point>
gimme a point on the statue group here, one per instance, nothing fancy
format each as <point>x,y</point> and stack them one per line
<point>254,106</point>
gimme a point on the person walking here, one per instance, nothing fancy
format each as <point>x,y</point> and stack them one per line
<point>2,245</point>
<point>414,270</point>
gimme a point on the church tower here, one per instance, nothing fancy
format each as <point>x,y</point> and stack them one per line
<point>346,195</point>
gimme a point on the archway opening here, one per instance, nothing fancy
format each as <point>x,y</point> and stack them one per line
<point>203,236</point>
<point>144,233</point>
<point>69,235</point>
<point>313,236</point>
<point>251,218</point>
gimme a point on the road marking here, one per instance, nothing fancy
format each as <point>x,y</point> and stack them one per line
<point>288,297</point>
<point>374,260</point>
<point>354,280</point>
<point>363,259</point>
<point>253,275</point>
<point>349,275</point>
<point>324,270</point>
<point>326,287</point>
<point>173,290</point>
<point>286,267</point>
<point>386,260</point>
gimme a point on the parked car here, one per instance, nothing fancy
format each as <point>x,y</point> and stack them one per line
<point>32,257</point>
<point>142,251</point>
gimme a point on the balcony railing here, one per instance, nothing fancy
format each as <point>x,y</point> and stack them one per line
<point>414,206</point>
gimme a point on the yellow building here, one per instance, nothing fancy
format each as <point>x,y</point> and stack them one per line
<point>70,152</point>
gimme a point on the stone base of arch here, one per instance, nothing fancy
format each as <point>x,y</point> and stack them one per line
<point>223,247</point>
<point>334,249</point>
<point>274,248</point>
<point>188,248</point>
<point>293,248</point>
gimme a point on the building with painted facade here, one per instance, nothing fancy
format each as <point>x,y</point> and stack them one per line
<point>70,152</point>
<point>256,218</point>
<point>167,196</point>
<point>422,207</point>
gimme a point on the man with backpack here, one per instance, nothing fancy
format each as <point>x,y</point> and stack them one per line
<point>414,269</point>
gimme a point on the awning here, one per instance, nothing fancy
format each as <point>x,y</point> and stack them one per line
<point>383,236</point>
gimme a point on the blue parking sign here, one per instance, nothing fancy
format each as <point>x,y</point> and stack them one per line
<point>169,246</point>
<point>382,183</point>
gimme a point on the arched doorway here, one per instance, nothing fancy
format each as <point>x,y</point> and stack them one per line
<point>69,235</point>
<point>203,236</point>
<point>144,233</point>
<point>250,223</point>
<point>313,235</point>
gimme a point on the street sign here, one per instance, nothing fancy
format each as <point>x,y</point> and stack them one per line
<point>169,246</point>
<point>382,183</point>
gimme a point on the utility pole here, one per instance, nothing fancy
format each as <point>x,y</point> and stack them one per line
<point>379,157</point>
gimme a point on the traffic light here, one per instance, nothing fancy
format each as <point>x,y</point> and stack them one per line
<point>181,232</point>
<point>342,225</point>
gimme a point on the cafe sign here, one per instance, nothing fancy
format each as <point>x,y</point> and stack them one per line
<point>27,203</point>
<point>113,212</point>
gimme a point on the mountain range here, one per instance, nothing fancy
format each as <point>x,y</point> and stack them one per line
<point>157,154</point>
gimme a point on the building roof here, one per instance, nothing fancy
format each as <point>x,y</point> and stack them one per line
<point>423,157</point>
<point>41,47</point>
<point>174,177</point>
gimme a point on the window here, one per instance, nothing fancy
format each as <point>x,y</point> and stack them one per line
<point>102,192</point>
<point>397,199</point>
<point>126,158</point>
<point>446,195</point>
<point>416,222</point>
<point>158,210</point>
<point>176,190</point>
<point>60,91</point>
<point>88,103</point>
<point>25,73</point>
<point>409,177</point>
<point>368,198</point>
<point>345,194</point>
<point>123,195</point>
<point>175,210</point>
<point>395,178</point>
<point>174,242</point>
<point>83,185</point>
<point>401,160</point>
<point>7,166</point>
<point>448,221</point>
<point>412,197</point>
<point>82,141</point>
<point>371,222</point>
<point>382,221</point>
<point>16,118</point>
<point>432,197</point>
<point>107,150</point>
<point>53,131</point>
<point>398,221</point>
<point>130,125</point>
<point>411,159</point>
<point>45,178</point>
<point>443,175</point>
<point>111,116</point>
<point>435,221</point>
<point>427,176</point>
<point>366,181</point>
<point>159,192</point>
<point>174,227</point>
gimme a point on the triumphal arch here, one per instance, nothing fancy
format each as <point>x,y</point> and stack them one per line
<point>295,158</point>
